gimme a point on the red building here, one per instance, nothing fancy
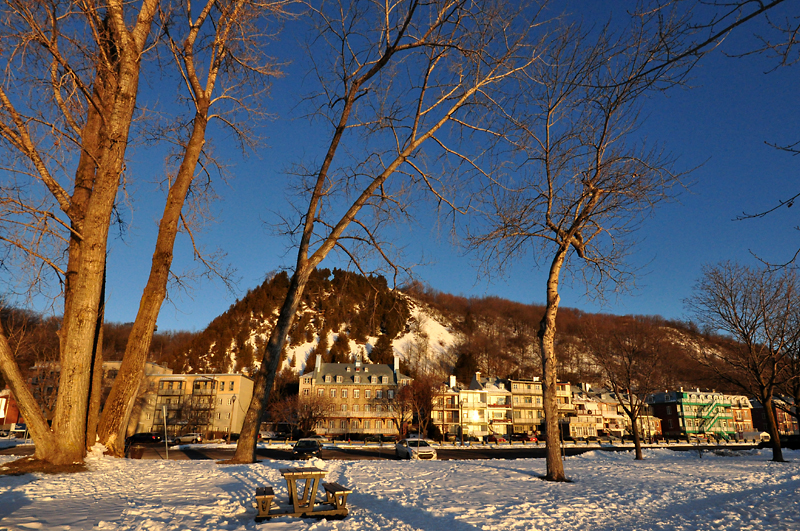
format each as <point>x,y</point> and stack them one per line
<point>9,413</point>
<point>787,424</point>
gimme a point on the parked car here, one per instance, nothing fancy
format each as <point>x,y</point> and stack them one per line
<point>523,437</point>
<point>493,438</point>
<point>307,448</point>
<point>144,438</point>
<point>414,449</point>
<point>187,438</point>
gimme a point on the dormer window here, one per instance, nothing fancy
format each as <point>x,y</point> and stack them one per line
<point>348,369</point>
<point>327,378</point>
<point>357,378</point>
<point>366,369</point>
<point>385,379</point>
<point>338,379</point>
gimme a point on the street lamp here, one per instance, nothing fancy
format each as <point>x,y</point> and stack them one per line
<point>230,426</point>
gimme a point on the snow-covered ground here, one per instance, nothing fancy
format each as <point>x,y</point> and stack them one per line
<point>610,491</point>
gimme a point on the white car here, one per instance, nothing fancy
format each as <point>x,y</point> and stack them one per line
<point>189,438</point>
<point>414,449</point>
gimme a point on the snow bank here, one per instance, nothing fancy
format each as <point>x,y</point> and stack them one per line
<point>610,491</point>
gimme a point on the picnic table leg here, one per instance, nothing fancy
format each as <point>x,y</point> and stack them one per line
<point>314,486</point>
<point>291,483</point>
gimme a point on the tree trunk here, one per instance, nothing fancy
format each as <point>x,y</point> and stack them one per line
<point>46,444</point>
<point>547,334</point>
<point>121,401</point>
<point>246,447</point>
<point>772,425</point>
<point>96,389</point>
<point>637,440</point>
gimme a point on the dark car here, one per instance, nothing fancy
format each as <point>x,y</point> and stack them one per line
<point>144,438</point>
<point>307,448</point>
<point>523,437</point>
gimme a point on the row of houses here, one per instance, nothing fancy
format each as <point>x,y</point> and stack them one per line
<point>363,399</point>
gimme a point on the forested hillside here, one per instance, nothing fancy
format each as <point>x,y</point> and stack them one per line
<point>345,314</point>
<point>342,308</point>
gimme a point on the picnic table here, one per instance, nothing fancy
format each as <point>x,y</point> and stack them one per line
<point>303,484</point>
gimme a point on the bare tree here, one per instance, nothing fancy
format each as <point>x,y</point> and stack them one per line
<point>583,183</point>
<point>394,78</point>
<point>791,386</point>
<point>631,357</point>
<point>223,70</point>
<point>420,397</point>
<point>84,61</point>
<point>66,108</point>
<point>400,407</point>
<point>301,413</point>
<point>754,308</point>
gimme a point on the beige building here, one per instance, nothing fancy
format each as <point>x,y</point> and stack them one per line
<point>213,405</point>
<point>361,396</point>
<point>446,407</point>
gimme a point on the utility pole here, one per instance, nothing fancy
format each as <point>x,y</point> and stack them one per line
<point>230,426</point>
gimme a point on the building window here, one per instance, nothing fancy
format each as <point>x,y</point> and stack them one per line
<point>344,393</point>
<point>338,379</point>
<point>355,407</point>
<point>305,392</point>
<point>366,408</point>
<point>385,379</point>
<point>367,394</point>
<point>379,394</point>
<point>327,378</point>
<point>357,378</point>
<point>366,424</point>
<point>343,424</point>
<point>333,393</point>
<point>344,407</point>
<point>320,391</point>
<point>331,424</point>
<point>390,394</point>
<point>356,392</point>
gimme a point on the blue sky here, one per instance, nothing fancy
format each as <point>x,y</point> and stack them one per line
<point>718,125</point>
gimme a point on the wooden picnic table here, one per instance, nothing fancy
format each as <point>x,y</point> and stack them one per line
<point>312,476</point>
<point>304,502</point>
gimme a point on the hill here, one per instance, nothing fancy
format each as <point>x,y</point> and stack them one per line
<point>344,314</point>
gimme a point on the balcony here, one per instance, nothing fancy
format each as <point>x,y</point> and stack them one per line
<point>170,392</point>
<point>204,392</point>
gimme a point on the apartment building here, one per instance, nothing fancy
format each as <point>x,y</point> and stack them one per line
<point>361,395</point>
<point>445,414</point>
<point>211,404</point>
<point>527,406</point>
<point>695,413</point>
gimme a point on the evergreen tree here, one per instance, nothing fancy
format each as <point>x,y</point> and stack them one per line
<point>340,351</point>
<point>383,351</point>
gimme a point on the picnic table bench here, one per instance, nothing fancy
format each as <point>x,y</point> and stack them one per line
<point>337,494</point>
<point>303,502</point>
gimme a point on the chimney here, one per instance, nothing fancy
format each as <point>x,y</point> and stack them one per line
<point>452,380</point>
<point>318,366</point>
<point>358,362</point>
<point>396,365</point>
<point>478,376</point>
